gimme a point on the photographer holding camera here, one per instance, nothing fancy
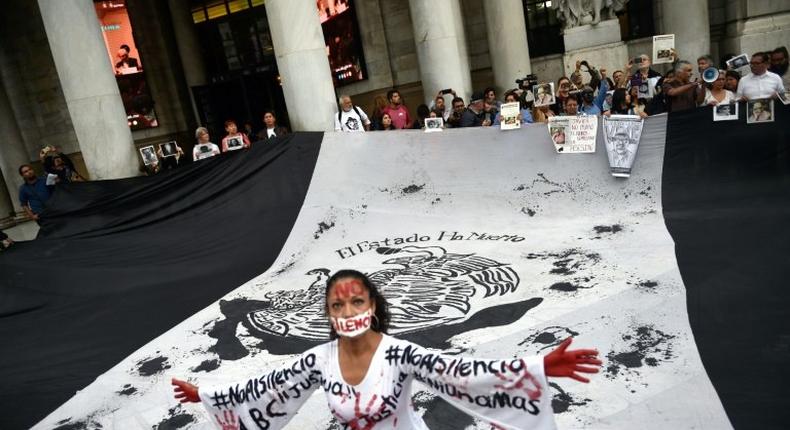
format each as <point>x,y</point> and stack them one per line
<point>454,119</point>
<point>592,104</point>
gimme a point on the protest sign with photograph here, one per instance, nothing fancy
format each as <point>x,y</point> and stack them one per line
<point>168,149</point>
<point>433,124</point>
<point>235,143</point>
<point>544,94</point>
<point>573,134</point>
<point>148,153</point>
<point>760,110</point>
<point>738,62</point>
<point>725,112</point>
<point>509,116</point>
<point>784,97</point>
<point>662,48</point>
<point>622,134</point>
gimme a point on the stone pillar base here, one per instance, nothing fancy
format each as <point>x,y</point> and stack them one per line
<point>611,56</point>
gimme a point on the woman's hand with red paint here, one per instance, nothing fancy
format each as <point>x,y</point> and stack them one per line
<point>562,362</point>
<point>185,392</point>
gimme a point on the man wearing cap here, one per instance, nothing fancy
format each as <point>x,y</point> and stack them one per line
<point>472,116</point>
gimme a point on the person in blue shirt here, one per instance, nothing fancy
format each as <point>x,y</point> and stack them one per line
<point>33,193</point>
<point>592,104</point>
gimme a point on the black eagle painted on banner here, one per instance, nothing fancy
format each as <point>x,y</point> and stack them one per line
<point>426,287</point>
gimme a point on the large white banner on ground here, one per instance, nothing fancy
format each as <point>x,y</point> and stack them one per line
<point>487,244</point>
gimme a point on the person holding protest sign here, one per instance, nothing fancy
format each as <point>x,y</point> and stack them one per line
<point>367,375</point>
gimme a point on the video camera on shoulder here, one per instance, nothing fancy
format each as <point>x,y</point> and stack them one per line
<point>526,84</point>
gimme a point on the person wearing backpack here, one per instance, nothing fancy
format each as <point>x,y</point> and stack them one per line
<point>351,118</point>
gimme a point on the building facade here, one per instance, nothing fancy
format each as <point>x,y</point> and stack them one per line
<point>204,61</point>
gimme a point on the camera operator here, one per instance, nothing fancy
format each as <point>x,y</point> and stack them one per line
<point>525,85</point>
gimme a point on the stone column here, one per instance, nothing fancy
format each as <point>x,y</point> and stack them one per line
<point>507,42</point>
<point>89,87</point>
<point>12,153</point>
<point>188,48</point>
<point>441,48</point>
<point>6,206</point>
<point>689,22</point>
<point>303,64</point>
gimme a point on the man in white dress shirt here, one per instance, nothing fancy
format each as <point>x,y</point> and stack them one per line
<point>760,84</point>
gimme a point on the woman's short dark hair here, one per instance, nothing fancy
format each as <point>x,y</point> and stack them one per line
<point>381,322</point>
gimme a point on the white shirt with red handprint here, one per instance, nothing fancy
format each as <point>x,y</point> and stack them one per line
<point>509,394</point>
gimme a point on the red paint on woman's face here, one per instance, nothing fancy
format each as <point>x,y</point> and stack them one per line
<point>348,297</point>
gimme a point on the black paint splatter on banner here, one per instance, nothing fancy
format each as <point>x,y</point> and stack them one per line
<point>207,366</point>
<point>87,423</point>
<point>152,366</point>
<point>647,346</point>
<point>567,262</point>
<point>529,211</point>
<point>126,390</point>
<point>439,414</point>
<point>176,418</point>
<point>614,228</point>
<point>648,284</point>
<point>323,227</point>
<point>413,188</point>
<point>549,337</point>
<point>79,425</point>
<point>562,400</point>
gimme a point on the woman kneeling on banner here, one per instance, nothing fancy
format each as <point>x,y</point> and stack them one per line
<point>367,375</point>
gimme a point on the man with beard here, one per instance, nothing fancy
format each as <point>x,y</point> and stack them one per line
<point>397,110</point>
<point>779,65</point>
<point>33,193</point>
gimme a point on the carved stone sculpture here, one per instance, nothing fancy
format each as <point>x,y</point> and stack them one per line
<point>574,13</point>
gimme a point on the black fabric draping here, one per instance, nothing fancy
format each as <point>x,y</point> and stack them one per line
<point>118,263</point>
<point>726,199</point>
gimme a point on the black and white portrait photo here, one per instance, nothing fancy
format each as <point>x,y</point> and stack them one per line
<point>761,110</point>
<point>434,124</point>
<point>725,112</point>
<point>735,63</point>
<point>168,149</point>
<point>235,143</point>
<point>148,153</point>
<point>544,94</point>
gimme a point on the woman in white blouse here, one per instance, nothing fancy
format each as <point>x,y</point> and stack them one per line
<point>715,94</point>
<point>367,375</point>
